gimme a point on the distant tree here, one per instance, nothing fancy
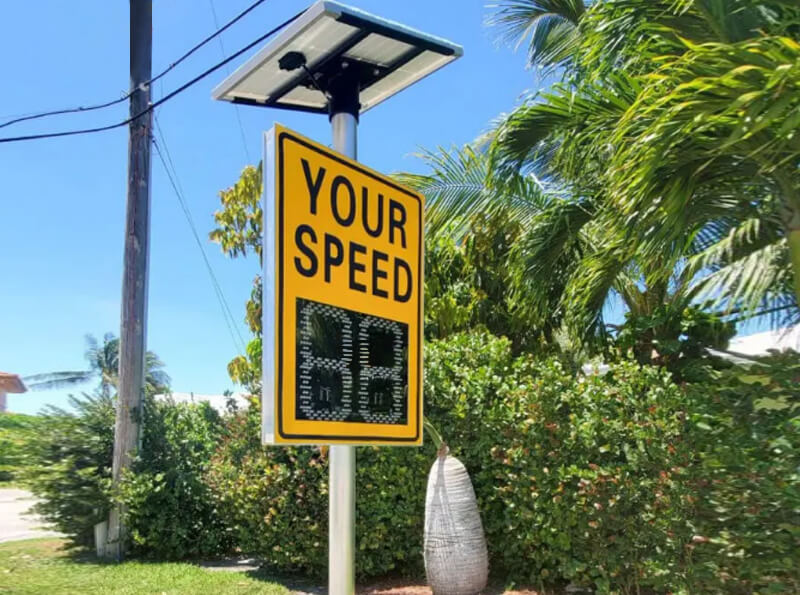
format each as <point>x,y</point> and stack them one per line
<point>103,362</point>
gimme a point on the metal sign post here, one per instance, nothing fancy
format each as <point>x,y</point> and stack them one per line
<point>342,463</point>
<point>343,251</point>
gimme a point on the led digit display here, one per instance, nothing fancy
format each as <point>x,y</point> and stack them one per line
<point>351,367</point>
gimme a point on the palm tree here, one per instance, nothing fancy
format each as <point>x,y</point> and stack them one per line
<point>675,122</point>
<point>103,362</point>
<point>460,191</point>
<point>652,195</point>
<point>561,237</point>
<point>740,130</point>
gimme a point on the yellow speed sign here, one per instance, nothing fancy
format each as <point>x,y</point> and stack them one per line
<point>343,282</point>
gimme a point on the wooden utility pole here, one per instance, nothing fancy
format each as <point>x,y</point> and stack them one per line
<point>133,330</point>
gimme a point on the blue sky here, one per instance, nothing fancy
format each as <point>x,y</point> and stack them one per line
<point>63,210</point>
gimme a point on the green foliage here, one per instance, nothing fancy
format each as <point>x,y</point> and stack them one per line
<point>239,222</point>
<point>675,339</point>
<point>238,231</point>
<point>449,298</point>
<point>551,25</point>
<point>72,472</point>
<point>169,512</point>
<point>275,501</point>
<point>461,186</point>
<point>17,433</point>
<point>167,503</point>
<point>745,122</point>
<point>676,120</point>
<point>745,431</point>
<point>246,369</point>
<point>467,283</point>
<point>578,478</point>
<point>622,482</point>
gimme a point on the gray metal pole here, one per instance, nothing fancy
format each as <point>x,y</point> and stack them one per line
<point>342,467</point>
<point>133,325</point>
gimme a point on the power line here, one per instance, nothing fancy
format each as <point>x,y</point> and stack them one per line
<point>230,320</point>
<point>167,97</point>
<point>172,175</point>
<point>236,107</point>
<point>69,110</point>
<point>98,106</point>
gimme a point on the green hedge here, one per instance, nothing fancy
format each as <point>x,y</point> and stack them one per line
<point>745,432</point>
<point>170,513</point>
<point>275,500</point>
<point>72,471</point>
<point>17,432</point>
<point>168,505</point>
<point>624,482</point>
<point>577,479</point>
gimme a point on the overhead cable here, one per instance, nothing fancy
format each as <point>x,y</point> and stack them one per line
<point>172,175</point>
<point>236,107</point>
<point>164,99</point>
<point>89,108</point>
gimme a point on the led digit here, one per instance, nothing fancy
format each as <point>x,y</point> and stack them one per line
<point>380,385</point>
<point>325,346</point>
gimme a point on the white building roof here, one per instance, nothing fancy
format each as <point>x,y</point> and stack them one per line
<point>761,343</point>
<point>218,402</point>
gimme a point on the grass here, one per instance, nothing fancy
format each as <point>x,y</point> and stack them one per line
<point>45,566</point>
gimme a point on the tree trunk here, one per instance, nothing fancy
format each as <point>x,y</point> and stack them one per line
<point>793,238</point>
<point>791,200</point>
<point>456,559</point>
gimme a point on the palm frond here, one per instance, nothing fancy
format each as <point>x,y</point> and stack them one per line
<point>545,256</point>
<point>156,379</point>
<point>459,186</point>
<point>628,287</point>
<point>550,27</point>
<point>552,230</point>
<point>748,269</point>
<point>723,96</point>
<point>678,119</point>
<point>587,292</point>
<point>741,240</point>
<point>589,287</point>
<point>57,380</point>
<point>757,281</point>
<point>558,128</point>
